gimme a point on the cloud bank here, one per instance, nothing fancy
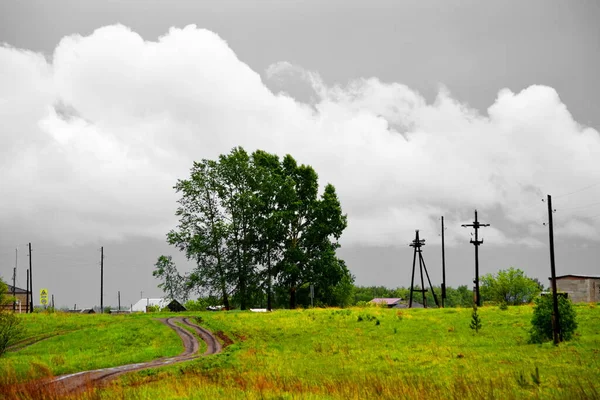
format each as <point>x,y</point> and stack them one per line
<point>94,139</point>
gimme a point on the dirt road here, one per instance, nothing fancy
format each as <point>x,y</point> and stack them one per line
<point>81,380</point>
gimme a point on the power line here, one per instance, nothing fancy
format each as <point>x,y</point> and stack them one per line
<point>579,207</point>
<point>578,190</point>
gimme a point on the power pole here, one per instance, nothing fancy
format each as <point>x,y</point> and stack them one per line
<point>443,267</point>
<point>417,244</point>
<point>27,295</point>
<point>556,334</point>
<point>53,302</point>
<point>101,280</point>
<point>119,294</point>
<point>476,225</point>
<point>30,278</point>
<point>13,291</point>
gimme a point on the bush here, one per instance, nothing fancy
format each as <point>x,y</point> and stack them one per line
<point>10,330</point>
<point>541,330</point>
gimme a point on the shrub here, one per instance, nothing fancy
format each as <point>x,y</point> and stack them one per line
<point>541,330</point>
<point>10,330</point>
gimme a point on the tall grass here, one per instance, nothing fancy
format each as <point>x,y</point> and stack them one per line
<point>377,353</point>
<point>383,354</point>
<point>74,342</point>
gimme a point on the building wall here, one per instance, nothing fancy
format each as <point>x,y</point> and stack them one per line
<point>21,297</point>
<point>580,289</point>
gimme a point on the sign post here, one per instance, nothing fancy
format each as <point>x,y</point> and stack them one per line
<point>44,297</point>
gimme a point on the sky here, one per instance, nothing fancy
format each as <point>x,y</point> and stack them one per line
<point>412,110</point>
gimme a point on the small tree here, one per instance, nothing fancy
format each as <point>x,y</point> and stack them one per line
<point>475,320</point>
<point>541,329</point>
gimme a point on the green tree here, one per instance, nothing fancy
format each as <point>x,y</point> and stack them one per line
<point>202,230</point>
<point>274,192</point>
<point>172,284</point>
<point>462,296</point>
<point>313,226</point>
<point>237,192</point>
<point>475,319</point>
<point>252,222</point>
<point>509,286</point>
<point>541,321</point>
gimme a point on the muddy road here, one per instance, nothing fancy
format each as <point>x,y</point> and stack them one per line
<point>81,380</point>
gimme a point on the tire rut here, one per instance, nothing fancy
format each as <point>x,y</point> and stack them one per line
<point>80,380</point>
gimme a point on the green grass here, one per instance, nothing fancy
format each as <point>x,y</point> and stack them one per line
<point>362,354</point>
<point>410,354</point>
<point>87,342</point>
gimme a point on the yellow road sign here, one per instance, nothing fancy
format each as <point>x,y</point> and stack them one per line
<point>44,296</point>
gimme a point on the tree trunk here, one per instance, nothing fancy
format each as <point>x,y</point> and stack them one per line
<point>292,298</point>
<point>269,283</point>
<point>225,299</point>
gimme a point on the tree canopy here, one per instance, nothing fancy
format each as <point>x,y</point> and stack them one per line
<point>510,286</point>
<point>256,226</point>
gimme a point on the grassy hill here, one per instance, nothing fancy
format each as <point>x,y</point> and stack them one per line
<point>347,354</point>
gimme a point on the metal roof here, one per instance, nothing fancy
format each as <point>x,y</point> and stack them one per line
<point>17,290</point>
<point>577,276</point>
<point>387,300</point>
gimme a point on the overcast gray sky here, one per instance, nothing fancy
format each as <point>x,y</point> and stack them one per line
<point>412,110</point>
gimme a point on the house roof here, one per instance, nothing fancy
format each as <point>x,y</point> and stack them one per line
<point>390,301</point>
<point>143,303</point>
<point>577,276</point>
<point>18,290</point>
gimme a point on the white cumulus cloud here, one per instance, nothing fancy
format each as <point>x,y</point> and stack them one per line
<point>94,139</point>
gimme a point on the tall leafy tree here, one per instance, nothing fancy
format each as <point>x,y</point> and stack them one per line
<point>274,191</point>
<point>253,222</point>
<point>313,226</point>
<point>203,229</point>
<point>239,201</point>
<point>510,286</point>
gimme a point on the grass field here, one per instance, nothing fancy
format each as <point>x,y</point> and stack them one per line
<point>370,353</point>
<point>63,343</point>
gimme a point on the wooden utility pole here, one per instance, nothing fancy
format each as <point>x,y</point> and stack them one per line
<point>101,280</point>
<point>443,267</point>
<point>476,225</point>
<point>119,294</point>
<point>30,279</point>
<point>14,291</point>
<point>556,334</point>
<point>27,295</point>
<point>417,244</point>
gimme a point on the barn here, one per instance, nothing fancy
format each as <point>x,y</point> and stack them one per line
<point>20,295</point>
<point>580,288</point>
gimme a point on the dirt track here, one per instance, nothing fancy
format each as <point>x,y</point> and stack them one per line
<point>81,380</point>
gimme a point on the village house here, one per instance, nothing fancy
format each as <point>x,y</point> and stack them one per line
<point>579,288</point>
<point>21,299</point>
